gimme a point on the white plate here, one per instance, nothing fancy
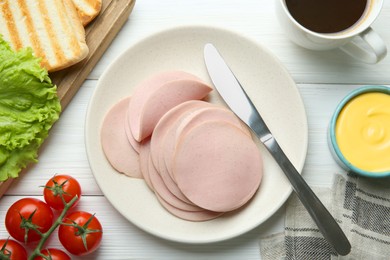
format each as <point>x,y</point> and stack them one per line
<point>266,81</point>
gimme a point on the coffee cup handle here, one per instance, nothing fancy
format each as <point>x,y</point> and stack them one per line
<point>374,54</point>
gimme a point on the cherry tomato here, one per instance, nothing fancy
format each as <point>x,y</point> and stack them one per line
<point>24,215</point>
<point>81,234</point>
<point>54,253</point>
<point>12,250</point>
<point>61,185</point>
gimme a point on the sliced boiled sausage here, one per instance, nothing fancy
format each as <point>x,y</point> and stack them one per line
<point>190,120</point>
<point>145,113</point>
<point>146,87</point>
<point>197,157</point>
<point>116,147</point>
<point>144,160</point>
<point>134,143</point>
<point>161,189</point>
<point>189,215</point>
<point>217,166</point>
<point>157,139</point>
<point>165,123</point>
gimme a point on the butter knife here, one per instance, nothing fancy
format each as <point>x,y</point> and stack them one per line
<point>236,98</point>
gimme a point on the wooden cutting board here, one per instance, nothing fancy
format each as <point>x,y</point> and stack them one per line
<point>99,34</point>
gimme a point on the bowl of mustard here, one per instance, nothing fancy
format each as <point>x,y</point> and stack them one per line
<point>359,132</point>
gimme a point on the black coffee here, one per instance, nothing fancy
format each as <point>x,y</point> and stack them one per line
<point>326,16</point>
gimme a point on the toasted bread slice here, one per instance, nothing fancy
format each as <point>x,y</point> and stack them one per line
<point>50,27</point>
<point>87,9</point>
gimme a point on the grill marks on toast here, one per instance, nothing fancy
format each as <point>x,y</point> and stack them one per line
<point>51,34</point>
<point>10,24</point>
<point>35,42</point>
<point>78,31</point>
<point>50,27</point>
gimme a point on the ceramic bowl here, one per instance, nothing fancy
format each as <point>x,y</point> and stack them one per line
<point>336,152</point>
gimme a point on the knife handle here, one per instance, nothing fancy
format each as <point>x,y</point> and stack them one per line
<point>321,216</point>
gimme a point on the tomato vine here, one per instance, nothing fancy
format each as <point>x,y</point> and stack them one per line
<point>46,235</point>
<point>30,219</point>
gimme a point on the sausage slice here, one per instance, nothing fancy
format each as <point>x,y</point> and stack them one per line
<point>217,166</point>
<point>118,151</point>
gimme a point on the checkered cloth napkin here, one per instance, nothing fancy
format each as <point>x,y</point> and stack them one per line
<point>361,206</point>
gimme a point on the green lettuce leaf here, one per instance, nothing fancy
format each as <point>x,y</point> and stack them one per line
<point>29,106</point>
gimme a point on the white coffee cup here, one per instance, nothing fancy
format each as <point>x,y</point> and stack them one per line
<point>373,51</point>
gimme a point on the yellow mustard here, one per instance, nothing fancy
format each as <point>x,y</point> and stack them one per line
<point>363,131</point>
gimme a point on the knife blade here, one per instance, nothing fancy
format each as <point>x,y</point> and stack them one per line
<point>239,102</point>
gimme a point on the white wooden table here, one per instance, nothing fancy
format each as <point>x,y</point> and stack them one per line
<point>323,78</point>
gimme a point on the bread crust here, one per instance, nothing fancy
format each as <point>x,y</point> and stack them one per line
<point>87,9</point>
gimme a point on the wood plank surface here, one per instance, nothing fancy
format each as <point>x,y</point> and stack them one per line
<point>323,78</point>
<point>99,34</point>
